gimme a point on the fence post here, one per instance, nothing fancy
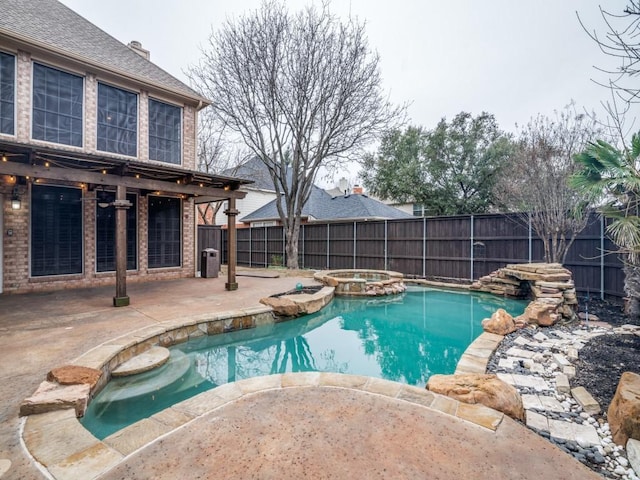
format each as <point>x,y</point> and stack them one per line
<point>266,247</point>
<point>327,246</point>
<point>471,256</point>
<point>386,259</point>
<point>530,240</point>
<point>601,257</point>
<point>303,242</point>
<point>250,240</point>
<point>355,236</point>
<point>284,248</point>
<point>424,246</point>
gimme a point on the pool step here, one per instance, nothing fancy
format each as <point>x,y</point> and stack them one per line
<point>152,358</point>
<point>127,388</point>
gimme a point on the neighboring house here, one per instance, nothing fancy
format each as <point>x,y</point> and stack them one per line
<point>322,207</point>
<point>344,186</point>
<point>259,193</point>
<point>340,203</point>
<point>95,142</point>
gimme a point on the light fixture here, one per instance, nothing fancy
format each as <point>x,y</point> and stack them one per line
<point>103,200</point>
<point>15,199</point>
<point>4,157</point>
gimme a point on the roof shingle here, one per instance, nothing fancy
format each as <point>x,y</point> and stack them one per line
<point>321,206</point>
<point>52,24</point>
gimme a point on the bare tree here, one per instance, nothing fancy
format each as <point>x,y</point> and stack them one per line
<point>621,41</point>
<point>302,90</point>
<point>536,183</point>
<point>216,154</point>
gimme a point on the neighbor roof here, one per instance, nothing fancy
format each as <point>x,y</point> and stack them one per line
<point>322,206</point>
<point>254,170</point>
<point>50,24</point>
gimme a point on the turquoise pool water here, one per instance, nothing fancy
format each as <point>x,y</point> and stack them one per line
<point>405,338</point>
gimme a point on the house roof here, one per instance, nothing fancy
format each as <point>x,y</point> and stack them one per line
<point>51,25</point>
<point>322,206</point>
<point>254,170</point>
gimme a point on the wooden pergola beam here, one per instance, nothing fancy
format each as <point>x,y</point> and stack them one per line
<point>72,175</point>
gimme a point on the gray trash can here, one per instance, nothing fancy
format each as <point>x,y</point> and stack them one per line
<point>209,263</point>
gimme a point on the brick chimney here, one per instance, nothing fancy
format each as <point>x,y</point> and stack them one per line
<point>357,190</point>
<point>136,46</point>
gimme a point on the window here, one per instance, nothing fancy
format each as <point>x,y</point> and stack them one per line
<point>117,120</point>
<point>106,234</point>
<point>164,132</point>
<point>165,239</point>
<point>419,210</point>
<point>57,106</point>
<point>56,230</point>
<point>7,93</point>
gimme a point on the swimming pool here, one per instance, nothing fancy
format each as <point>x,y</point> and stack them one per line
<point>405,338</point>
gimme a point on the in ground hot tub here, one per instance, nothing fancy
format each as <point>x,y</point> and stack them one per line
<point>362,282</point>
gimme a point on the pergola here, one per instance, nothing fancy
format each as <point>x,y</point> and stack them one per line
<point>33,164</point>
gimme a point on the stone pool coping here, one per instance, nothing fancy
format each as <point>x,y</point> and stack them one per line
<point>476,357</point>
<point>60,443</point>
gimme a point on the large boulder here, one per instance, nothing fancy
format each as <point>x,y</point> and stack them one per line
<point>540,313</point>
<point>74,375</point>
<point>282,306</point>
<point>500,323</point>
<point>51,396</point>
<point>624,411</point>
<point>486,389</point>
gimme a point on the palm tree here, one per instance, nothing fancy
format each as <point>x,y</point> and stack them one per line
<point>612,175</point>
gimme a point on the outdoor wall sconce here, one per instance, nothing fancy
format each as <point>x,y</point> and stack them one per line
<point>15,199</point>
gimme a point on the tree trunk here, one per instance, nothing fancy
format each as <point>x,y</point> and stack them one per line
<point>547,248</point>
<point>291,245</point>
<point>632,289</point>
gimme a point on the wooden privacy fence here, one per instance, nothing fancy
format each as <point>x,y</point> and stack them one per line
<point>455,247</point>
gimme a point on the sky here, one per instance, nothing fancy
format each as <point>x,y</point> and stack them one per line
<point>511,58</point>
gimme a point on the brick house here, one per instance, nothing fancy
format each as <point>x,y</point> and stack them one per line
<point>98,155</point>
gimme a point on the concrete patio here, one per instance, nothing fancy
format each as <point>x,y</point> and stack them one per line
<point>359,429</point>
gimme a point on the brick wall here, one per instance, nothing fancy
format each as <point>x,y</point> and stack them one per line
<point>90,112</point>
<point>15,253</point>
<point>16,248</point>
<point>16,244</point>
<point>23,96</point>
<point>189,137</point>
<point>143,126</point>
